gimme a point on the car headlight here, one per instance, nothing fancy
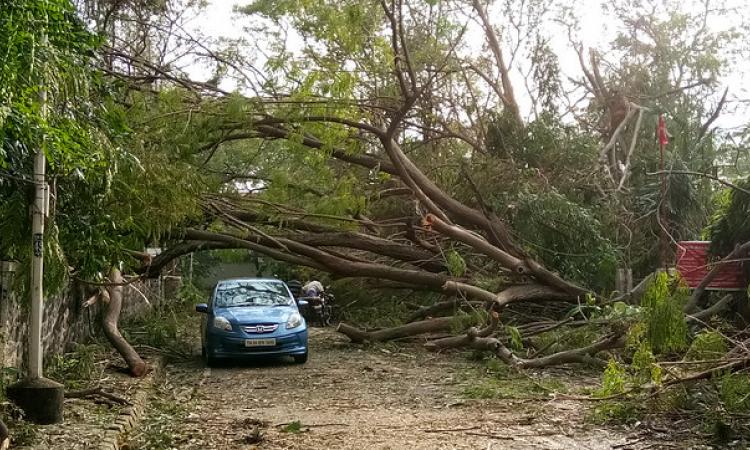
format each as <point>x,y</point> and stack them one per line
<point>293,321</point>
<point>222,323</point>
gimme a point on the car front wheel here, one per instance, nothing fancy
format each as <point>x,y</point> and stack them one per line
<point>208,359</point>
<point>300,359</point>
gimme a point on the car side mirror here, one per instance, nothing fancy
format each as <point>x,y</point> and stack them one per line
<point>201,308</point>
<point>302,303</point>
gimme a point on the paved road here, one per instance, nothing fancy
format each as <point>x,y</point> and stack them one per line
<point>349,398</point>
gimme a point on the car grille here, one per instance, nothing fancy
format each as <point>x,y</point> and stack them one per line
<point>270,328</point>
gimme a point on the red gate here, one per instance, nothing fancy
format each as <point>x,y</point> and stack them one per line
<point>694,262</point>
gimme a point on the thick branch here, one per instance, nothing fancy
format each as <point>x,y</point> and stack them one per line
<point>411,329</point>
<point>716,308</point>
<point>508,98</point>
<point>715,115</point>
<point>478,243</point>
<point>467,339</point>
<point>531,292</point>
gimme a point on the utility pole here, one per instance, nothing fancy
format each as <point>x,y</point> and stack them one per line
<point>40,399</point>
<point>39,214</point>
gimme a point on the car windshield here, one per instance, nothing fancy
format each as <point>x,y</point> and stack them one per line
<point>231,294</point>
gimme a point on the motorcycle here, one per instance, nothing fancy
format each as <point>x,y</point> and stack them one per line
<point>319,309</point>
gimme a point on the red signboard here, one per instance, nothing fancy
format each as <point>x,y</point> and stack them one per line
<point>693,263</point>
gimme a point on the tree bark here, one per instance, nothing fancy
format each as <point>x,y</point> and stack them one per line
<point>702,316</point>
<point>527,292</point>
<point>136,365</point>
<point>467,339</point>
<point>426,326</point>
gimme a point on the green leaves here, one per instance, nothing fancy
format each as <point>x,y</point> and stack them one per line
<point>662,302</point>
<point>456,264</point>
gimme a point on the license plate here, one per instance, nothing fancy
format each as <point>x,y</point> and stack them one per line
<point>260,342</point>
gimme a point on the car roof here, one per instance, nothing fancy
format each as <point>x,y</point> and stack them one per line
<point>229,280</point>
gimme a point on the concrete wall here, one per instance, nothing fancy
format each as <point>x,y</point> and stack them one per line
<point>66,322</point>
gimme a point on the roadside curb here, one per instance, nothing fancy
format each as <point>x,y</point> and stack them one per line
<point>127,420</point>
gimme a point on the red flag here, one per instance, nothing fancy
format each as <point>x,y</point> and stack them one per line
<point>661,131</point>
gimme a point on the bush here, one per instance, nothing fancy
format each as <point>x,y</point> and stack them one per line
<point>170,325</point>
<point>662,303</point>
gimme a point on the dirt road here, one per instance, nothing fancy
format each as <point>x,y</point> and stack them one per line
<point>351,398</point>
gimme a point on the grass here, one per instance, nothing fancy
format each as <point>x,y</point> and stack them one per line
<point>292,427</point>
<point>158,429</point>
<point>497,380</point>
<point>170,326</point>
<point>77,368</point>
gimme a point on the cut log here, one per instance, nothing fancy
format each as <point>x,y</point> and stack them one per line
<point>411,329</point>
<point>110,319</point>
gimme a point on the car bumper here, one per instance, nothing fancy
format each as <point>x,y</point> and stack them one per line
<point>226,346</point>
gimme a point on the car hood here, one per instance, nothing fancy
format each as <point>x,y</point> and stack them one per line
<point>257,314</point>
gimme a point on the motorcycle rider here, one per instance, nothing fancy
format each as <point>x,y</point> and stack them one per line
<point>313,289</point>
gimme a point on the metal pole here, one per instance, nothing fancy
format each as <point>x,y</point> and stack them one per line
<point>39,212</point>
<point>662,206</point>
<point>661,213</point>
<point>190,278</point>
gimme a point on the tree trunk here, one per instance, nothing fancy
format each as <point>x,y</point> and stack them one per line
<point>426,326</point>
<point>111,317</point>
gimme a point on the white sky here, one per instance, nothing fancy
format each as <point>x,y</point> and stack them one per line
<point>218,21</point>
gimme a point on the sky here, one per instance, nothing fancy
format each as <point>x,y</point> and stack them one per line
<point>218,21</point>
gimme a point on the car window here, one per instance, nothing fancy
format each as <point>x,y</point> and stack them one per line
<point>231,294</point>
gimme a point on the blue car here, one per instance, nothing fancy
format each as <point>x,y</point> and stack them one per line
<point>252,317</point>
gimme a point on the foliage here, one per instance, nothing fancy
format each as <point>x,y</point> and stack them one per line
<point>563,339</point>
<point>46,46</point>
<point>170,325</point>
<point>362,304</point>
<point>498,381</point>
<point>514,337</point>
<point>731,223</point>
<point>614,383</point>
<point>77,368</point>
<point>662,303</point>
<point>110,190</point>
<point>566,236</point>
<point>292,427</point>
<point>456,264</point>
<point>707,345</point>
<point>734,391</point>
<point>463,320</point>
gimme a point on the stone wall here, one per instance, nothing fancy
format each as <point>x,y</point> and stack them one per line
<point>66,321</point>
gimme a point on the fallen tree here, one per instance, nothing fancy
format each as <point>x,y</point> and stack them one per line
<point>442,234</point>
<point>109,296</point>
<point>411,329</point>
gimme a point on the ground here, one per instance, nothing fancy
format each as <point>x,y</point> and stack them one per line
<point>349,397</point>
